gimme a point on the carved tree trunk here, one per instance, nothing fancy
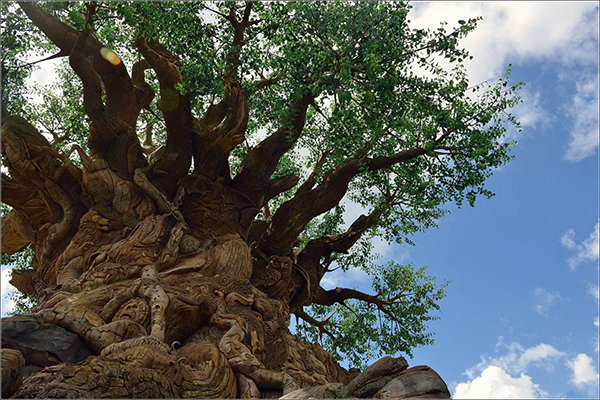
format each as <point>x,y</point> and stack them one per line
<point>154,282</point>
<point>135,301</point>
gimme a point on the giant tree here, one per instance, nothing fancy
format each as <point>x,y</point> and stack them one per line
<point>182,190</point>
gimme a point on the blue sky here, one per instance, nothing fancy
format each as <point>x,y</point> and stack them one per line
<point>521,315</point>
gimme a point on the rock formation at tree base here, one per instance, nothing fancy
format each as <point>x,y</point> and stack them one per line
<point>159,372</point>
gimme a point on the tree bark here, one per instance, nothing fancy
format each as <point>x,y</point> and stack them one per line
<point>154,282</point>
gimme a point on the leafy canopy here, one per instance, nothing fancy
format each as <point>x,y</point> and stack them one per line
<point>379,89</point>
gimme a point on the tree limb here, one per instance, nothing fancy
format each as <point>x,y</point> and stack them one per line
<point>175,106</point>
<point>214,142</point>
<point>117,83</point>
<point>292,216</point>
<point>260,163</point>
<point>318,324</point>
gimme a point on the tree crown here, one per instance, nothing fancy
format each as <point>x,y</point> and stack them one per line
<point>301,107</point>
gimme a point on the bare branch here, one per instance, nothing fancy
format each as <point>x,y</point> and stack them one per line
<point>340,295</point>
<point>318,324</point>
<point>292,216</point>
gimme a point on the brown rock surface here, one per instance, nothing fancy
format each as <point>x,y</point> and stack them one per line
<point>415,382</point>
<point>387,378</point>
<point>12,371</point>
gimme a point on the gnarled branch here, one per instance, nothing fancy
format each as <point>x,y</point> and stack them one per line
<point>175,106</point>
<point>260,163</point>
<point>292,216</point>
<point>117,83</point>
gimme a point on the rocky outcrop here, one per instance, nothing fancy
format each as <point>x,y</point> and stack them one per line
<point>388,378</point>
<point>12,371</point>
<point>42,344</point>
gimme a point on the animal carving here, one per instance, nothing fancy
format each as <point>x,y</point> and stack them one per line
<point>274,279</point>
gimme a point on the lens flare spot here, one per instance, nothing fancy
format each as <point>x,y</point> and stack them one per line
<point>110,56</point>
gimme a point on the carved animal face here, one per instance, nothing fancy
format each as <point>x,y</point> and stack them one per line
<point>229,284</point>
<point>188,244</point>
<point>135,310</point>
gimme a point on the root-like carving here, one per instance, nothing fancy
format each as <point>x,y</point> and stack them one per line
<point>241,359</point>
<point>156,296</point>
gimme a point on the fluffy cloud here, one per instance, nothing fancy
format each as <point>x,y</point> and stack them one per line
<point>587,251</point>
<point>584,371</point>
<point>584,113</point>
<point>352,277</point>
<point>518,358</point>
<point>545,300</point>
<point>493,377</point>
<point>511,32</point>
<point>8,305</point>
<point>564,34</point>
<point>495,383</point>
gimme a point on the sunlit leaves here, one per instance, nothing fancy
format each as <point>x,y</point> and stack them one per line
<point>362,331</point>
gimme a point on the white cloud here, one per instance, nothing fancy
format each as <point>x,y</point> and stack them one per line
<point>8,305</point>
<point>568,239</point>
<point>518,358</point>
<point>584,112</point>
<point>495,383</point>
<point>545,300</point>
<point>594,291</point>
<point>584,371</point>
<point>530,113</point>
<point>538,355</point>
<point>587,251</point>
<point>564,34</point>
<point>505,376</point>
<point>513,31</point>
<point>350,278</point>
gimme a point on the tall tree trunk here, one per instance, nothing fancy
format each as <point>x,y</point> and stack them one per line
<point>141,298</point>
<point>157,283</point>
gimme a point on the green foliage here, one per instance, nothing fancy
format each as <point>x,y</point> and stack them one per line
<point>360,331</point>
<point>380,89</point>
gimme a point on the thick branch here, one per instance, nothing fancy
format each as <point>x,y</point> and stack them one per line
<point>17,232</point>
<point>316,249</point>
<point>175,106</point>
<point>92,91</point>
<point>117,83</point>
<point>217,137</point>
<point>261,161</point>
<point>292,216</point>
<point>26,200</point>
<point>340,295</point>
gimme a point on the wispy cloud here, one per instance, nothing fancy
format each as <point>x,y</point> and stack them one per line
<point>586,251</point>
<point>584,113</point>
<point>544,300</point>
<point>564,33</point>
